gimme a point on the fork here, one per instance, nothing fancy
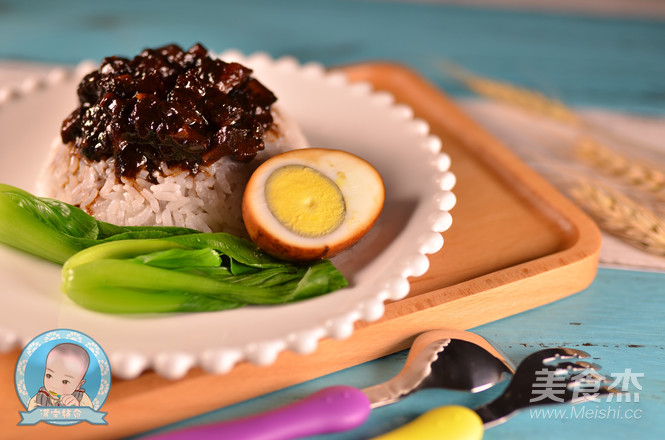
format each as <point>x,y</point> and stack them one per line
<point>572,380</point>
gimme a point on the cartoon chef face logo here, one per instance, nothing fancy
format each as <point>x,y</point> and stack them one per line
<point>62,378</point>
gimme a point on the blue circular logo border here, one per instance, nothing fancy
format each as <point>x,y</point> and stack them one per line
<point>64,335</point>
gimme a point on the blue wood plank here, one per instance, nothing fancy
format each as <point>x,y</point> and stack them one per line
<point>609,62</point>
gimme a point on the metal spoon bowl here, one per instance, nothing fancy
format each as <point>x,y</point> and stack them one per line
<point>449,359</point>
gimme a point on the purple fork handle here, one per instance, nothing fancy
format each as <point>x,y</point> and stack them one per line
<point>333,409</point>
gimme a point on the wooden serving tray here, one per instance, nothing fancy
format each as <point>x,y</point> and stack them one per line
<point>516,243</point>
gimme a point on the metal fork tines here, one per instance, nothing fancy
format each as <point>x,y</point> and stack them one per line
<point>555,375</point>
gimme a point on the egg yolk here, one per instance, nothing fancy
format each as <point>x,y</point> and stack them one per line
<point>304,200</point>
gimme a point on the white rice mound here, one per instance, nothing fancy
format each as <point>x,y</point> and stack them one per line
<point>209,201</point>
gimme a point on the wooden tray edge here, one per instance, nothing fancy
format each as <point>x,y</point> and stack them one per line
<point>580,254</point>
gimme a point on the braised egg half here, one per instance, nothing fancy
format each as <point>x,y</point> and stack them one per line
<point>311,203</point>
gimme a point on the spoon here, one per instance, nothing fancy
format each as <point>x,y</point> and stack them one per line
<point>449,359</point>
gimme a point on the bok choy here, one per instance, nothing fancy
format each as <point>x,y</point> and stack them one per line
<point>117,269</point>
<point>199,272</point>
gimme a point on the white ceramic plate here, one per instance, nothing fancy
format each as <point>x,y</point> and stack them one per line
<point>333,114</point>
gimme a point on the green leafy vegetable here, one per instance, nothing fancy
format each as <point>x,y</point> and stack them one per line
<point>117,269</point>
<point>55,231</point>
<point>198,272</point>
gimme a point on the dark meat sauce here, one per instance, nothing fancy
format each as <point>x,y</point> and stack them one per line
<point>183,108</point>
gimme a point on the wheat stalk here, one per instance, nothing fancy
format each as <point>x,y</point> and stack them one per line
<point>621,216</point>
<point>614,212</point>
<point>643,177</point>
<point>502,91</point>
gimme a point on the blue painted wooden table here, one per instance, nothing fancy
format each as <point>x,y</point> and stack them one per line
<point>591,61</point>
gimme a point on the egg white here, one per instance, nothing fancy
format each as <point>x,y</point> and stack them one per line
<point>361,187</point>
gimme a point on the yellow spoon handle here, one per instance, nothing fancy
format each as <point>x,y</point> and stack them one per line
<point>444,423</point>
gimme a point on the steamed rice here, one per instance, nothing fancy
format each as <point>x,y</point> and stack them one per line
<point>209,200</point>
